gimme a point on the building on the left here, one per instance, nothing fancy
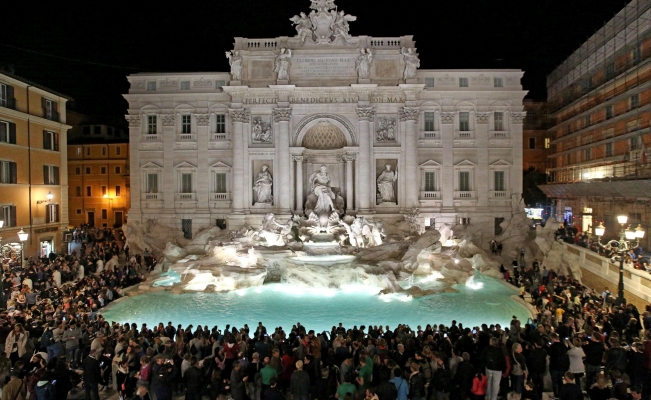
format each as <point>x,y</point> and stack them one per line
<point>33,165</point>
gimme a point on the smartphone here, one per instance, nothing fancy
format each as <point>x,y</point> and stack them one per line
<point>445,335</point>
<point>589,337</point>
<point>567,338</point>
<point>474,331</point>
<point>101,364</point>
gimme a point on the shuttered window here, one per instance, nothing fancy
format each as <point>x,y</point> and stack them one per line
<point>7,132</point>
<point>7,172</point>
<point>50,175</point>
<point>50,140</point>
<point>8,215</point>
<point>499,181</point>
<point>52,213</point>
<point>464,181</point>
<point>152,183</point>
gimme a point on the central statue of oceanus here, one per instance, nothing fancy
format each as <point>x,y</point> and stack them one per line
<point>324,203</point>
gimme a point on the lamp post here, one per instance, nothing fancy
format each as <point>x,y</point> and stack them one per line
<point>623,246</point>
<point>22,236</point>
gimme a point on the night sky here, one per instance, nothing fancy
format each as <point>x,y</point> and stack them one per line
<point>85,50</point>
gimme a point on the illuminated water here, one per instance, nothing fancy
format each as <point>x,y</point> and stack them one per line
<point>483,301</point>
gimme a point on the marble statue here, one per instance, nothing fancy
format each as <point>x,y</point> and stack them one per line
<point>412,62</point>
<point>274,234</point>
<point>386,186</point>
<point>262,188</point>
<point>235,61</point>
<point>341,26</point>
<point>282,64</point>
<point>261,131</point>
<point>363,63</point>
<point>303,26</point>
<point>386,130</point>
<point>320,187</point>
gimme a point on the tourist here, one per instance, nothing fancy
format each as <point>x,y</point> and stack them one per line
<point>15,389</point>
<point>402,386</point>
<point>559,362</point>
<point>299,385</point>
<point>92,375</point>
<point>416,383</point>
<point>238,381</point>
<point>193,380</point>
<point>518,371</point>
<point>273,392</point>
<point>494,362</point>
<point>570,390</point>
<point>141,394</point>
<point>266,373</point>
<point>16,343</point>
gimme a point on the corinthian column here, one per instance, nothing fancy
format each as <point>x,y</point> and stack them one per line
<point>365,181</point>
<point>299,183</point>
<point>238,117</point>
<point>282,115</point>
<point>410,116</point>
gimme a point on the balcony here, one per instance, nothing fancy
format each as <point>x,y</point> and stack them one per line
<point>220,196</point>
<point>186,137</point>
<point>430,195</point>
<point>51,115</point>
<point>499,135</point>
<point>465,195</point>
<point>151,197</point>
<point>464,135</point>
<point>432,135</point>
<point>216,137</point>
<point>498,194</point>
<point>185,197</point>
<point>151,138</point>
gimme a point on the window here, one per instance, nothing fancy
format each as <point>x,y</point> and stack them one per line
<point>634,142</point>
<point>8,214</point>
<point>464,121</point>
<point>117,191</point>
<point>587,154</point>
<point>89,191</point>
<point>185,85</point>
<point>50,141</point>
<point>610,71</point>
<point>609,112</point>
<point>220,123</point>
<point>152,183</point>
<point>78,211</point>
<point>7,172</point>
<point>7,132</point>
<point>186,227</point>
<point>220,183</point>
<point>634,102</point>
<point>464,181</point>
<point>77,170</point>
<point>79,152</point>
<point>635,55</point>
<point>499,121</point>
<point>498,82</point>
<point>110,131</point>
<point>609,149</point>
<point>7,96</point>
<point>568,159</point>
<point>118,170</point>
<point>78,191</point>
<point>102,170</point>
<point>429,121</point>
<point>118,151</point>
<point>88,170</point>
<point>151,125</point>
<point>97,130</point>
<point>186,123</point>
<point>548,143</point>
<point>587,121</point>
<point>532,142</point>
<point>151,86</point>
<point>49,109</point>
<point>104,191</point>
<point>430,181</point>
<point>186,182</point>
<point>500,185</point>
<point>104,213</point>
<point>50,175</point>
<point>463,82</point>
<point>103,151</point>
<point>86,130</point>
<point>51,213</point>
<point>429,82</point>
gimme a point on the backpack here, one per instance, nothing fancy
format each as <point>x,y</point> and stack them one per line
<point>47,339</point>
<point>45,392</point>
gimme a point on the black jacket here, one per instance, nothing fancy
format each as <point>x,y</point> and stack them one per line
<point>416,386</point>
<point>493,358</point>
<point>192,379</point>
<point>558,358</point>
<point>92,372</point>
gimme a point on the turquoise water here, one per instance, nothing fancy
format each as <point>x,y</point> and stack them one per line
<point>320,309</point>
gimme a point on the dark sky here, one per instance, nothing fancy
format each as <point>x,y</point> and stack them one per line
<point>105,41</point>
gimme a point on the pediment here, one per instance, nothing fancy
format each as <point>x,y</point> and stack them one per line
<point>501,163</point>
<point>465,163</point>
<point>220,165</point>
<point>186,165</point>
<point>431,164</point>
<point>151,165</point>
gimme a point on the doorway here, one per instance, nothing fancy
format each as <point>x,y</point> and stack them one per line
<point>118,219</point>
<point>91,218</point>
<point>46,248</point>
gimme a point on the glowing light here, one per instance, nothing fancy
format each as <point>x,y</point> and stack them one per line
<point>456,261</point>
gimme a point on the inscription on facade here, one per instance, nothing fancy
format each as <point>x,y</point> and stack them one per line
<point>315,98</point>
<point>323,67</point>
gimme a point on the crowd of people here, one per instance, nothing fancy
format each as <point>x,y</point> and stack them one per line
<point>56,342</point>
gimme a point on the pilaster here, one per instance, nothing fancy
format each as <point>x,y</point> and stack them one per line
<point>238,117</point>
<point>447,165</point>
<point>203,167</point>
<point>482,172</point>
<point>410,115</point>
<point>282,116</point>
<point>365,151</point>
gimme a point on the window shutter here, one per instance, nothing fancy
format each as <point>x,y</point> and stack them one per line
<point>46,175</point>
<point>56,142</point>
<point>56,213</point>
<point>11,101</point>
<point>12,172</point>
<point>43,100</point>
<point>48,214</point>
<point>46,140</point>
<point>4,135</point>
<point>56,175</point>
<point>12,216</point>
<point>12,133</point>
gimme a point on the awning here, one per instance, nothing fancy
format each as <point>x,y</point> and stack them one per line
<point>624,189</point>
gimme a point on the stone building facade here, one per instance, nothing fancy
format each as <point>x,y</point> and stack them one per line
<point>227,148</point>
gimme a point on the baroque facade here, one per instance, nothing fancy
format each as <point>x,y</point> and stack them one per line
<point>325,120</point>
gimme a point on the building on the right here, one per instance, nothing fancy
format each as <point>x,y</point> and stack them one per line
<point>599,102</point>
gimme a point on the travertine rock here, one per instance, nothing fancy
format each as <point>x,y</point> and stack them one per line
<point>174,253</point>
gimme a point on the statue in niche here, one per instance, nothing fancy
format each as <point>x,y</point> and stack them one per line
<point>262,188</point>
<point>235,61</point>
<point>303,26</point>
<point>386,130</point>
<point>282,64</point>
<point>363,63</point>
<point>412,62</point>
<point>324,203</point>
<point>386,185</point>
<point>261,131</point>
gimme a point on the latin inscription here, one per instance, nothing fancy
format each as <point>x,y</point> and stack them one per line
<point>323,67</point>
<point>325,98</point>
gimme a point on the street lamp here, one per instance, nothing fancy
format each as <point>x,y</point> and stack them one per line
<point>22,236</point>
<point>623,246</point>
<point>49,198</point>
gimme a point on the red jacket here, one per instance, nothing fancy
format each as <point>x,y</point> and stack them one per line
<point>479,385</point>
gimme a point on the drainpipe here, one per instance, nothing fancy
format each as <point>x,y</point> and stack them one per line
<point>29,169</point>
